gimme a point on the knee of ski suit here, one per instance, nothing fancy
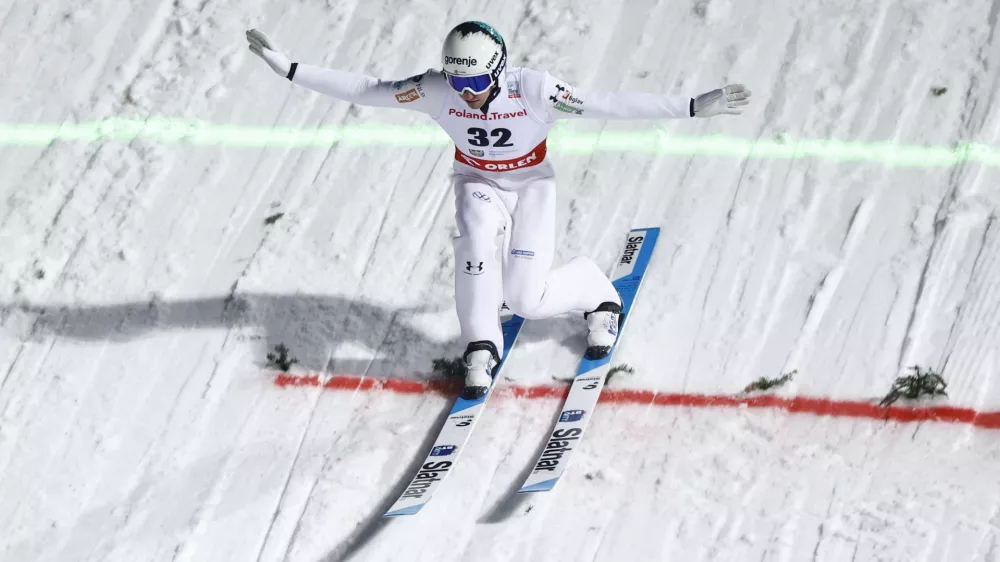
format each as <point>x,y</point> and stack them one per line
<point>525,300</point>
<point>479,223</point>
<point>528,292</point>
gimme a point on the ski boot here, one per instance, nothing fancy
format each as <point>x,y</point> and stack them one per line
<point>603,324</point>
<point>481,361</point>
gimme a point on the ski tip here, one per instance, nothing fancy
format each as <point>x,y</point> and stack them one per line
<point>543,486</point>
<point>412,510</point>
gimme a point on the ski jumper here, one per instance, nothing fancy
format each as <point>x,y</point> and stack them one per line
<point>505,184</point>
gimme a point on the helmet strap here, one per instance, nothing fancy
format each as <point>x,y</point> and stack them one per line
<point>493,95</point>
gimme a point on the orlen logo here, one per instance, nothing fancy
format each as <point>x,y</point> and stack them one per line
<point>536,156</point>
<point>430,473</point>
<point>460,61</point>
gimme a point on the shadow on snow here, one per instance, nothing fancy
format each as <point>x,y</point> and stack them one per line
<point>314,327</point>
<point>324,332</point>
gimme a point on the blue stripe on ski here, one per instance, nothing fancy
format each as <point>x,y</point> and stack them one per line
<point>629,274</point>
<point>510,329</point>
<point>627,288</point>
<point>540,487</point>
<point>405,511</point>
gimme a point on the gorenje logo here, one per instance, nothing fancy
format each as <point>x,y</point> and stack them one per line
<point>558,445</point>
<point>460,61</point>
<point>430,473</point>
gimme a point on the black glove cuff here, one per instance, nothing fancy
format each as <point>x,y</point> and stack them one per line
<point>692,107</point>
<point>291,74</point>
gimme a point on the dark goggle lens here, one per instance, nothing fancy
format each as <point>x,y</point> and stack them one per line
<point>478,84</point>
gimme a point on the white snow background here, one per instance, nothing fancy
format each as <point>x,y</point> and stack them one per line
<point>140,289</point>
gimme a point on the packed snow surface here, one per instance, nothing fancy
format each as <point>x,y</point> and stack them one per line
<point>142,284</point>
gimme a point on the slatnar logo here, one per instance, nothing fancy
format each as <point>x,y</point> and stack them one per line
<point>631,249</point>
<point>559,444</point>
<point>430,473</point>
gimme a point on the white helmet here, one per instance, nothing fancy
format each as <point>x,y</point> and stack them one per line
<point>473,49</point>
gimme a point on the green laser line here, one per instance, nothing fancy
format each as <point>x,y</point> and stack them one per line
<point>560,140</point>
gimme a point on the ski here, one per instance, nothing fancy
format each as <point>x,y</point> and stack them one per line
<point>591,375</point>
<point>453,436</point>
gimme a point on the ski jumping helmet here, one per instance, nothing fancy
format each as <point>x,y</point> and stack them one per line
<point>474,57</point>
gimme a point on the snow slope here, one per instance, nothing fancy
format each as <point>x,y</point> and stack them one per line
<point>141,287</point>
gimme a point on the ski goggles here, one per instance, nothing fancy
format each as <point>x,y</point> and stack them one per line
<point>477,84</point>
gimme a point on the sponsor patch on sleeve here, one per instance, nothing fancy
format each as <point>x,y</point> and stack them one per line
<point>562,99</point>
<point>410,90</point>
<point>523,254</point>
<point>408,96</point>
<point>513,87</point>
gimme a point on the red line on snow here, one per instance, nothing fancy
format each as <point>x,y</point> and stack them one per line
<point>803,405</point>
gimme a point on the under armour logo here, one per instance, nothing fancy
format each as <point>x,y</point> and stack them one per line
<point>469,268</point>
<point>480,195</point>
<point>560,87</point>
<point>554,99</point>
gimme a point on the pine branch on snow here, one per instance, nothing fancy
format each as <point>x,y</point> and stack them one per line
<point>765,383</point>
<point>280,359</point>
<point>912,387</point>
<point>450,368</point>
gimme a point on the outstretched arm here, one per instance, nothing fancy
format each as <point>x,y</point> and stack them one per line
<point>557,99</point>
<point>412,93</point>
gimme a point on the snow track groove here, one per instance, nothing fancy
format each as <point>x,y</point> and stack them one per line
<point>137,421</point>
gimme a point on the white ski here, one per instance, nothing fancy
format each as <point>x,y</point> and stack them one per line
<point>452,439</point>
<point>590,376</point>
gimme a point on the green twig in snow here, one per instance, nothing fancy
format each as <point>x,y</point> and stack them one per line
<point>912,387</point>
<point>280,359</point>
<point>765,383</point>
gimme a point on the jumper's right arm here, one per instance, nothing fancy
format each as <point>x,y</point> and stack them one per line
<point>343,85</point>
<point>412,93</point>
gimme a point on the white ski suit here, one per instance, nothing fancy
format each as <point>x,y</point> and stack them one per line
<point>505,184</point>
